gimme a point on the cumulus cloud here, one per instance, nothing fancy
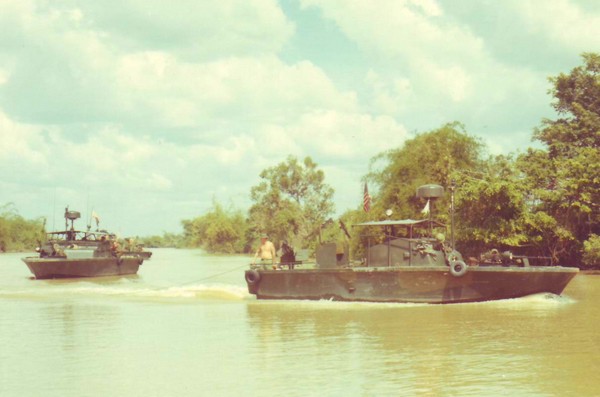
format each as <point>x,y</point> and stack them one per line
<point>194,30</point>
<point>428,67</point>
<point>181,94</point>
<point>340,135</point>
<point>563,22</point>
<point>18,143</point>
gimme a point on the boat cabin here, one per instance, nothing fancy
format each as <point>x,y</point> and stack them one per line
<point>406,242</point>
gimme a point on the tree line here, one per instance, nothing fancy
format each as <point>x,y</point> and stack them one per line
<point>18,233</point>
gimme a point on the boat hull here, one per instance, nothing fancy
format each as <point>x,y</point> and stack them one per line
<point>47,268</point>
<point>408,284</point>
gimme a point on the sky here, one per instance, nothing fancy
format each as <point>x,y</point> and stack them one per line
<point>147,112</point>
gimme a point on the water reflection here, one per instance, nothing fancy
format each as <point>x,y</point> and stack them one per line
<point>474,349</point>
<point>80,327</point>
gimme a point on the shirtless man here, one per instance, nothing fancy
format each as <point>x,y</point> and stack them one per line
<point>266,251</point>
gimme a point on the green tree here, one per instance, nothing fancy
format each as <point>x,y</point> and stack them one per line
<point>170,240</point>
<point>290,202</point>
<point>437,156</point>
<point>17,233</point>
<point>565,176</point>
<point>431,157</point>
<point>491,203</point>
<point>591,251</point>
<point>217,231</point>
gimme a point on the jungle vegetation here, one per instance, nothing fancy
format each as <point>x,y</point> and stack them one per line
<point>17,233</point>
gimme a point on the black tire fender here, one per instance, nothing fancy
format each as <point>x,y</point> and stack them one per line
<point>252,277</point>
<point>458,268</point>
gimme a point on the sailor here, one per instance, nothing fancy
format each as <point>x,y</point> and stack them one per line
<point>266,252</point>
<point>115,247</point>
<point>130,244</point>
<point>287,257</point>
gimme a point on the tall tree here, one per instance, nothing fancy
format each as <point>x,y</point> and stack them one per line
<point>290,201</point>
<point>17,233</point>
<point>490,207</point>
<point>429,157</point>
<point>565,176</point>
<point>217,231</point>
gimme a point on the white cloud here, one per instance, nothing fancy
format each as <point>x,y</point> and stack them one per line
<point>179,94</point>
<point>194,29</point>
<point>388,96</point>
<point>430,7</point>
<point>427,68</point>
<point>15,144</point>
<point>336,135</point>
<point>397,28</point>
<point>73,63</point>
<point>563,22</point>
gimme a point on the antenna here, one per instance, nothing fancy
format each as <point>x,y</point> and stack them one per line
<point>452,188</point>
<point>54,211</point>
<point>87,210</point>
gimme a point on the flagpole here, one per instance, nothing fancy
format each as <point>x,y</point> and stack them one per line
<point>430,192</point>
<point>430,217</point>
<point>452,187</point>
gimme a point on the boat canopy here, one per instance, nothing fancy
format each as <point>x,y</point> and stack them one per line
<point>401,222</point>
<point>71,235</point>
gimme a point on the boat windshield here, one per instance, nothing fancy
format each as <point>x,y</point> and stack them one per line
<point>405,227</point>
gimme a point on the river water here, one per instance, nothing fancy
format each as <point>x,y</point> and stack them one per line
<point>186,326</point>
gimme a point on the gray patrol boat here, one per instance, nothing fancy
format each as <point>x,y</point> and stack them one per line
<point>405,267</point>
<point>72,253</point>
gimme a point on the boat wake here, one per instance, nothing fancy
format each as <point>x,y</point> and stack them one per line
<point>329,304</point>
<point>222,292</point>
<point>540,301</point>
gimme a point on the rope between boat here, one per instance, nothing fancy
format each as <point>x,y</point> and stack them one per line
<point>216,275</point>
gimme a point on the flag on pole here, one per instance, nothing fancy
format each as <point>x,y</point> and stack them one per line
<point>425,209</point>
<point>96,217</point>
<point>366,199</point>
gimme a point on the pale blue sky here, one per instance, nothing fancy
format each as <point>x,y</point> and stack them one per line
<point>146,110</point>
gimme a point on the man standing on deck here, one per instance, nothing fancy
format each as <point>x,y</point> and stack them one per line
<point>266,252</point>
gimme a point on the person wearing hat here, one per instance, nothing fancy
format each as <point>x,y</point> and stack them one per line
<point>266,251</point>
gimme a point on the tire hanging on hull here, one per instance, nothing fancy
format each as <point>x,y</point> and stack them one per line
<point>458,268</point>
<point>252,277</point>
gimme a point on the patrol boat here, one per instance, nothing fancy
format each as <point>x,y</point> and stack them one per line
<point>72,253</point>
<point>408,268</point>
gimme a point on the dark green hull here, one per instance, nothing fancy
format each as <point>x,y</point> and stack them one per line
<point>46,268</point>
<point>408,284</point>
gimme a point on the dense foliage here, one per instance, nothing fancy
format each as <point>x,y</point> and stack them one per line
<point>429,157</point>
<point>591,251</point>
<point>542,203</point>
<point>290,202</point>
<point>217,231</point>
<point>17,233</point>
<point>171,240</point>
<point>564,178</point>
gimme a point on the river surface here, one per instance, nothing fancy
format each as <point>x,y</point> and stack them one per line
<point>186,326</point>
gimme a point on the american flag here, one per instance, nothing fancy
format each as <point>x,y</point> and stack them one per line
<point>366,199</point>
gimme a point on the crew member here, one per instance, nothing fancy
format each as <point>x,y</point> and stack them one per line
<point>266,252</point>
